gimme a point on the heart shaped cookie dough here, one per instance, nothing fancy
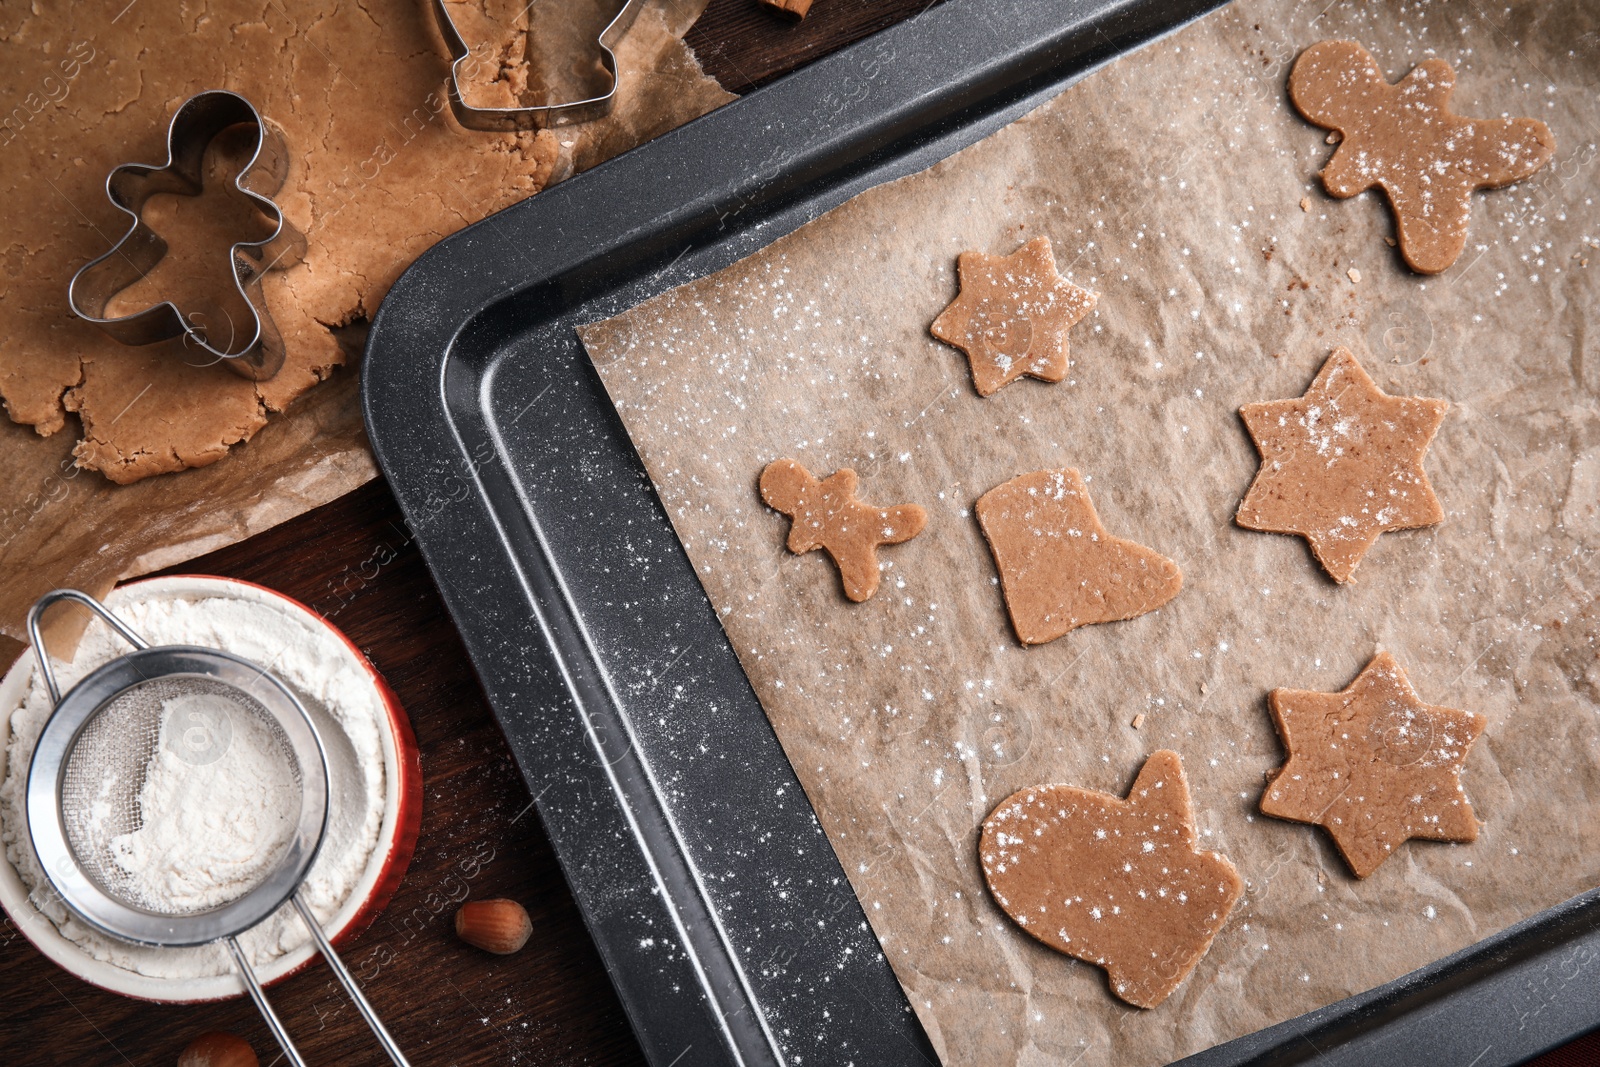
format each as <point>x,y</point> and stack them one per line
<point>1115,882</point>
<point>1059,568</point>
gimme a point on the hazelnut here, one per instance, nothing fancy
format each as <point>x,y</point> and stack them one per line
<point>217,1049</point>
<point>499,926</point>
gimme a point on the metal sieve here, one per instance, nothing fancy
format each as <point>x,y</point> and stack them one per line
<point>88,777</point>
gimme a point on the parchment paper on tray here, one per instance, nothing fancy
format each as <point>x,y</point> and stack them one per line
<point>1171,183</point>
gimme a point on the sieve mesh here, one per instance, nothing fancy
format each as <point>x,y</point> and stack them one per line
<point>187,726</point>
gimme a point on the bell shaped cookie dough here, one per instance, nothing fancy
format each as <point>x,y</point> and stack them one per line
<point>1117,882</point>
<point>1373,765</point>
<point>1059,567</point>
<point>1012,316</point>
<point>827,515</point>
<point>1403,139</point>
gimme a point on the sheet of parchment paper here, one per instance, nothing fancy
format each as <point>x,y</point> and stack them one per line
<point>380,171</point>
<point>1170,183</point>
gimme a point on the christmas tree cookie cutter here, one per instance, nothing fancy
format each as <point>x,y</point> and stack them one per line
<point>196,123</point>
<point>515,119</point>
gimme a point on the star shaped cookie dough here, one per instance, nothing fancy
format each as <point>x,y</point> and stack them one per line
<point>1373,765</point>
<point>1403,139</point>
<point>1341,464</point>
<point>1012,316</point>
<point>827,515</point>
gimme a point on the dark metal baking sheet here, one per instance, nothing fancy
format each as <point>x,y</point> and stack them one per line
<point>714,898</point>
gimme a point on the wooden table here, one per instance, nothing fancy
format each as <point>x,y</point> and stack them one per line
<point>354,561</point>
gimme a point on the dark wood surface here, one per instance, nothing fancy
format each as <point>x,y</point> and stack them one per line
<point>744,44</point>
<point>447,1004</point>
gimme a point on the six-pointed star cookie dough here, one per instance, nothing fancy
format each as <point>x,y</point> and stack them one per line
<point>1373,765</point>
<point>1012,316</point>
<point>1403,139</point>
<point>827,515</point>
<point>1059,567</point>
<point>1119,883</point>
<point>1341,464</point>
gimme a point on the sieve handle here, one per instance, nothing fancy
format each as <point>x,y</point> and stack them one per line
<point>349,983</point>
<point>36,612</point>
<point>253,987</point>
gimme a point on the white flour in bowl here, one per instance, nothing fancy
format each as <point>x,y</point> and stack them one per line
<point>218,809</point>
<point>221,848</point>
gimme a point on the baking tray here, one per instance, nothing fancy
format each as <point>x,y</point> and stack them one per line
<point>713,896</point>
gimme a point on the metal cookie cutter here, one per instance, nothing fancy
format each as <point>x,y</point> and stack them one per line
<point>513,119</point>
<point>196,124</point>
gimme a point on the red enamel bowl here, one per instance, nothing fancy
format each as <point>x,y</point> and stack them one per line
<point>381,876</point>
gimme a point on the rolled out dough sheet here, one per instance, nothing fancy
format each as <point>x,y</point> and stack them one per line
<point>1171,184</point>
<point>379,172</point>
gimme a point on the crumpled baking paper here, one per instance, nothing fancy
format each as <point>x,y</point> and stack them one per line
<point>1179,184</point>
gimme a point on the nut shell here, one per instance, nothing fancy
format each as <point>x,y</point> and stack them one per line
<point>500,926</point>
<point>218,1049</point>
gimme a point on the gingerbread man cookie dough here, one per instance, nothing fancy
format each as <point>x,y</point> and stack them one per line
<point>1059,567</point>
<point>1403,139</point>
<point>1341,464</point>
<point>1119,883</point>
<point>1012,316</point>
<point>826,514</point>
<point>1373,765</point>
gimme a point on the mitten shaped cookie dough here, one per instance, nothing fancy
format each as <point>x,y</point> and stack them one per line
<point>1117,882</point>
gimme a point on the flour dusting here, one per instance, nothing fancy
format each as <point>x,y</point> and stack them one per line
<point>214,824</point>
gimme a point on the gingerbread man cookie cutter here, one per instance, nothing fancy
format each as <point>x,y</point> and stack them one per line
<point>196,123</point>
<point>541,116</point>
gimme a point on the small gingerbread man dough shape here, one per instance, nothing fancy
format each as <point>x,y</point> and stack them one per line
<point>1012,316</point>
<point>1119,883</point>
<point>1342,464</point>
<point>1403,139</point>
<point>1373,765</point>
<point>826,514</point>
<point>1059,567</point>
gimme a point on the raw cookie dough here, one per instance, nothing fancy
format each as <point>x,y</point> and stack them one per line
<point>1403,139</point>
<point>379,172</point>
<point>793,10</point>
<point>1012,316</point>
<point>827,515</point>
<point>1117,883</point>
<point>1059,568</point>
<point>711,386</point>
<point>1373,765</point>
<point>1341,464</point>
